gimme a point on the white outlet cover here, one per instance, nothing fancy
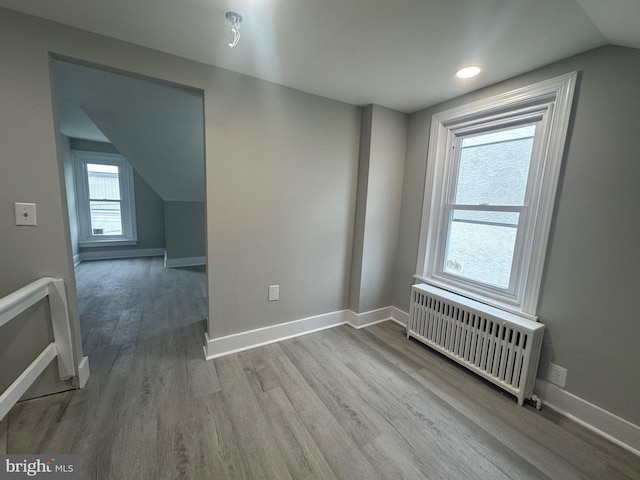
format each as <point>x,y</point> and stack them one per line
<point>274,293</point>
<point>26,214</point>
<point>557,375</point>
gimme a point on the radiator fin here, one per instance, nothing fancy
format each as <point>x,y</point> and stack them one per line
<point>500,346</point>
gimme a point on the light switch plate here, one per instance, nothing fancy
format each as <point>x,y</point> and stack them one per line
<point>26,214</point>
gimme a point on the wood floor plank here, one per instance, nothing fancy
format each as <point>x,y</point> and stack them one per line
<point>341,453</point>
<point>341,398</point>
<point>420,418</point>
<point>337,404</point>
<point>526,431</point>
<point>567,441</point>
<point>249,424</point>
<point>177,443</point>
<point>126,329</point>
<point>221,455</point>
<point>258,369</point>
<point>534,447</point>
<point>202,377</point>
<point>302,456</point>
<point>388,457</point>
<point>366,407</point>
<point>36,419</point>
<point>491,439</point>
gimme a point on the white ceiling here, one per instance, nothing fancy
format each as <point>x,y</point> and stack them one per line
<point>397,53</point>
<point>400,54</point>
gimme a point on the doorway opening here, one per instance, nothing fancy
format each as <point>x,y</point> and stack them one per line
<point>132,152</point>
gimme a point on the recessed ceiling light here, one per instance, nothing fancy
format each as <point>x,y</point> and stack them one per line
<point>468,72</point>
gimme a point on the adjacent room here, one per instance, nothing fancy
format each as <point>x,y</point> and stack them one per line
<point>250,239</point>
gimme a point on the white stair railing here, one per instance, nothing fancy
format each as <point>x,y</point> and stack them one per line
<point>61,348</point>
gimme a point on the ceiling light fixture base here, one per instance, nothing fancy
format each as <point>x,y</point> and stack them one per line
<point>234,18</point>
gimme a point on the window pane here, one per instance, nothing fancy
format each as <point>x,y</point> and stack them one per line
<point>494,167</point>
<point>106,218</point>
<point>104,183</point>
<point>480,246</point>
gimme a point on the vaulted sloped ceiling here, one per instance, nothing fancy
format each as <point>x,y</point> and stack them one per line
<point>617,20</point>
<point>157,128</point>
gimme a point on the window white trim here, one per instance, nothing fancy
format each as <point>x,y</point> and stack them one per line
<point>550,103</point>
<point>127,201</point>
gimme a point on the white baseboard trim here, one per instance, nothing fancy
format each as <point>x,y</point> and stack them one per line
<point>83,372</point>
<point>618,430</point>
<point>238,342</point>
<point>124,253</point>
<point>184,261</point>
<point>76,260</point>
<point>399,316</point>
<point>365,319</point>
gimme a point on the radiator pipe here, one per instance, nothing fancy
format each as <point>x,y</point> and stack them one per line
<point>538,401</point>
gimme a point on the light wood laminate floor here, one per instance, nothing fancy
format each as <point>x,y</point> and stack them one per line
<point>337,404</point>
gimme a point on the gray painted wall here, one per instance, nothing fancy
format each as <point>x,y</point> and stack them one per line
<point>281,182</point>
<point>281,170</point>
<point>149,215</point>
<point>185,229</point>
<point>591,278</point>
<point>30,172</point>
<point>21,340</point>
<point>411,210</point>
<point>380,174</point>
<point>361,209</point>
<point>67,159</point>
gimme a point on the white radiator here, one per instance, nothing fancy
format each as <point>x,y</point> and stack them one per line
<point>502,347</point>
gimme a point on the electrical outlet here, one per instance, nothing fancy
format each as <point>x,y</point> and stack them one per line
<point>274,293</point>
<point>557,375</point>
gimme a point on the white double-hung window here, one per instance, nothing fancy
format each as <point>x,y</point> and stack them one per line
<point>105,199</point>
<point>492,173</point>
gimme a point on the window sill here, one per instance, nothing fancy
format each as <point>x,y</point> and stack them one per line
<point>492,302</point>
<point>107,243</point>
